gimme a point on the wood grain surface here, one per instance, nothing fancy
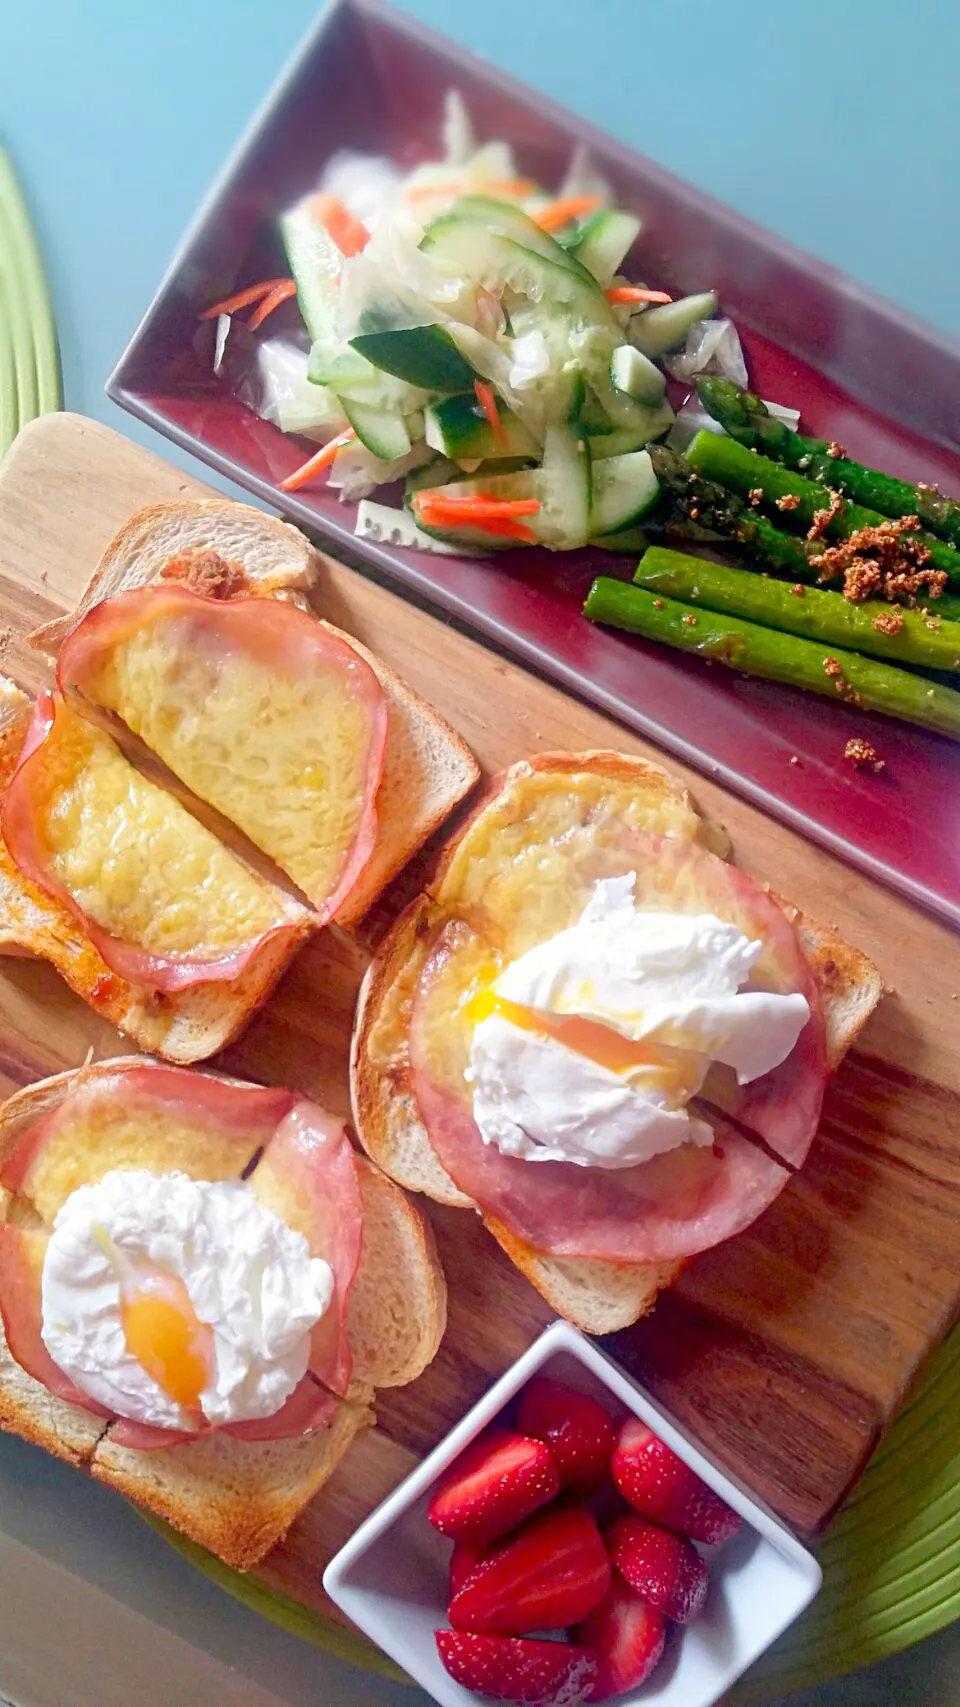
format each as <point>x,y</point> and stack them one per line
<point>788,1350</point>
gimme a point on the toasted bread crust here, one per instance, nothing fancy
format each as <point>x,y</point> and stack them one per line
<point>236,1497</point>
<point>598,1297</point>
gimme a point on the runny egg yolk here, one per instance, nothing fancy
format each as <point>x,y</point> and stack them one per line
<point>600,1043</point>
<point>165,1335</point>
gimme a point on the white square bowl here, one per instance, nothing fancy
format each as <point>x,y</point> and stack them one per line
<point>392,1579</point>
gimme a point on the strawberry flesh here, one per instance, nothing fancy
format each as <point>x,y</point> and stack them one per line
<point>551,1573</point>
<point>542,1674</point>
<point>626,1636</point>
<point>579,1432</point>
<point>494,1484</point>
<point>664,1568</point>
<point>661,1487</point>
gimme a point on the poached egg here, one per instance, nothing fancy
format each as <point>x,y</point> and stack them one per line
<point>173,1301</point>
<point>589,1047</point>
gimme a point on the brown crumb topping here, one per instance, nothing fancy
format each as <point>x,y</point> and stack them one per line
<point>689,617</point>
<point>889,621</point>
<point>835,450</point>
<point>862,754</point>
<point>886,560</point>
<point>789,501</point>
<point>823,518</point>
<point>934,622</point>
<point>658,604</point>
<point>203,570</point>
<point>834,669</point>
<point>798,590</point>
<point>755,494</point>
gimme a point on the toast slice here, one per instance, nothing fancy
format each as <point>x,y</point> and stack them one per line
<point>599,1297</point>
<point>238,1497</point>
<point>223,547</point>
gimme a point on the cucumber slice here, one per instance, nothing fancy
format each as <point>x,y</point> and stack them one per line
<point>424,356</point>
<point>464,248</point>
<point>315,263</point>
<point>458,428</point>
<point>623,440</point>
<point>603,240</point>
<point>561,485</point>
<point>633,372</point>
<point>658,330</point>
<point>630,542</point>
<point>509,221</point>
<point>625,488</point>
<point>383,431</point>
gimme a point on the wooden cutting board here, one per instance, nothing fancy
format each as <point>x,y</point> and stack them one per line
<point>787,1351</point>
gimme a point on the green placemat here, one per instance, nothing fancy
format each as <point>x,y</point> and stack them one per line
<point>891,1560</point>
<point>29,357</point>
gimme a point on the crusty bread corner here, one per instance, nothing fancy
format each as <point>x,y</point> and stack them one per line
<point>428,768</point>
<point>597,1297</point>
<point>271,554</point>
<point>238,1498</point>
<point>183,1027</point>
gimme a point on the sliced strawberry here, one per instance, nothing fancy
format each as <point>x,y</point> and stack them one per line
<point>493,1485</point>
<point>543,1674</point>
<point>660,1486</point>
<point>664,1568</point>
<point>626,1635</point>
<point>465,1558</point>
<point>579,1432</point>
<point>553,1571</point>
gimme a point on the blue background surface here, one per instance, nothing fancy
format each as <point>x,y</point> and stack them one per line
<point>836,123</point>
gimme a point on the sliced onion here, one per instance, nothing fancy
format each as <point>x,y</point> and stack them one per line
<point>582,177</point>
<point>368,184</point>
<point>387,526</point>
<point>356,472</point>
<point>459,141</point>
<point>712,346</point>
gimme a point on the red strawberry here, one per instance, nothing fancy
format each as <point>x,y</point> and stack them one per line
<point>548,1674</point>
<point>664,1568</point>
<point>552,1572</point>
<point>660,1486</point>
<point>465,1558</point>
<point>626,1635</point>
<point>578,1431</point>
<point>493,1485</point>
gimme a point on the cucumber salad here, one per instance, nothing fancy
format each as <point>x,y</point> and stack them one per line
<point>472,335</point>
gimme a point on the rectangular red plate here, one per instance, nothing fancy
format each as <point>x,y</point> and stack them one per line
<point>861,371</point>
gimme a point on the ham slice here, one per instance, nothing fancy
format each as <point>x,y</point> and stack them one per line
<point>196,644</point>
<point>690,1198</point>
<point>22,1251</point>
<point>130,960</point>
<point>307,1174</point>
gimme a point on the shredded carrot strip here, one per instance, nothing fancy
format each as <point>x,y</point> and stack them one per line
<point>316,464</point>
<point>636,293</point>
<point>516,189</point>
<point>501,527</point>
<point>349,234</point>
<point>558,213</point>
<point>486,397</point>
<point>243,298</point>
<point>272,300</point>
<point>475,505</point>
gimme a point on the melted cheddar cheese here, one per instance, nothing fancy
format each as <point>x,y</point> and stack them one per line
<point>283,755</point>
<point>133,858</point>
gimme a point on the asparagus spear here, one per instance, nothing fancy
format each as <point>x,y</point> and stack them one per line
<point>747,419</point>
<point>711,505</point>
<point>757,651</point>
<point>827,617</point>
<point>721,458</point>
<point>709,509</point>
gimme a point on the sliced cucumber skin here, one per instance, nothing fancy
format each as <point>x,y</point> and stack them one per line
<point>425,356</point>
<point>625,489</point>
<point>661,329</point>
<point>633,372</point>
<point>314,262</point>
<point>458,428</point>
<point>465,247</point>
<point>384,433</point>
<point>603,241</point>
